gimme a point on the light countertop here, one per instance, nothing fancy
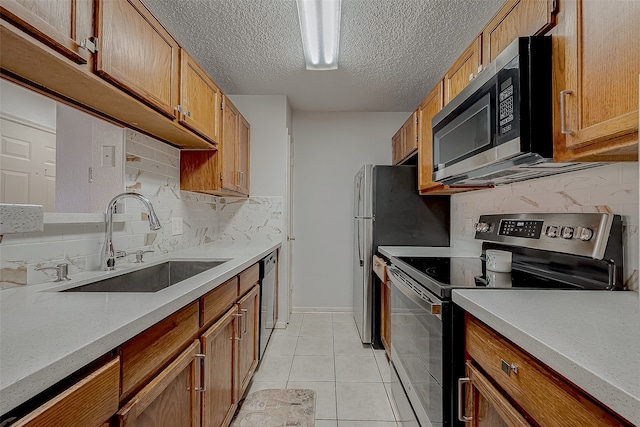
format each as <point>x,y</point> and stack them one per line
<point>591,338</point>
<point>47,335</point>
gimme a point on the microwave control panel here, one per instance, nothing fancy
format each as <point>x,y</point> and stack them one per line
<point>506,110</point>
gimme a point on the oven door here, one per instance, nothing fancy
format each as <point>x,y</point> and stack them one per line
<point>416,347</point>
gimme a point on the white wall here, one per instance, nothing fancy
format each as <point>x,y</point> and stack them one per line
<point>329,149</point>
<point>269,116</point>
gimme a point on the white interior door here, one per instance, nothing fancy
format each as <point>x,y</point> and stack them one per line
<point>27,164</point>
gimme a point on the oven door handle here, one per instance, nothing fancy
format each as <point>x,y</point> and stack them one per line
<point>409,288</point>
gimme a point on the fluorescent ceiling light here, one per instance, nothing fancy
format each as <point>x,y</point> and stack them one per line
<point>320,28</point>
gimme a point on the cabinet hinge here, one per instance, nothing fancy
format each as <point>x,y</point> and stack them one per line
<point>220,176</point>
<point>222,105</point>
<point>90,44</point>
<point>554,6</point>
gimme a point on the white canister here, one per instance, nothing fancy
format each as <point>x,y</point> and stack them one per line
<point>498,260</point>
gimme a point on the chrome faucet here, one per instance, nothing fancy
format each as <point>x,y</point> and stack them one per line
<point>108,260</point>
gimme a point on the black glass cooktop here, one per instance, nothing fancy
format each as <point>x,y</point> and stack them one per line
<point>469,272</point>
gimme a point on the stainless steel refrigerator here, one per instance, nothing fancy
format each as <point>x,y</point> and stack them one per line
<point>389,212</point>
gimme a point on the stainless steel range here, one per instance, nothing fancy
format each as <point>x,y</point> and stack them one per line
<point>548,251</point>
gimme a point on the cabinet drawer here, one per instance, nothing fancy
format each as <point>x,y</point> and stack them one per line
<point>90,402</point>
<point>215,303</point>
<point>543,394</point>
<point>248,278</point>
<point>146,354</point>
<point>380,268</point>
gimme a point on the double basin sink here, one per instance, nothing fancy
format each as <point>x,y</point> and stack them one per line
<point>150,279</point>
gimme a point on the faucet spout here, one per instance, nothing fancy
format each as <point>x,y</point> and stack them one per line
<point>108,260</point>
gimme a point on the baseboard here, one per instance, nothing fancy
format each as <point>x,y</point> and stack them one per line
<point>322,310</point>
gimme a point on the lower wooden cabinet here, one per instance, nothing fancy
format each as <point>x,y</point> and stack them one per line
<point>88,403</point>
<point>249,310</point>
<point>380,268</point>
<point>503,377</point>
<point>219,345</point>
<point>171,399</point>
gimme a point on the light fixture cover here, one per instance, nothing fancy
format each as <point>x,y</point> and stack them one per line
<point>320,28</point>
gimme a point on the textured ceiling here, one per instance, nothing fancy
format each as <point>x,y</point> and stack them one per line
<point>392,52</point>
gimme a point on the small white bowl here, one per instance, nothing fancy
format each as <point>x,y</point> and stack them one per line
<point>498,260</point>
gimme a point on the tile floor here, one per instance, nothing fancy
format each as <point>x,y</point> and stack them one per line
<point>323,352</point>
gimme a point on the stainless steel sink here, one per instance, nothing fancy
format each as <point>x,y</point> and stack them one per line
<point>150,279</point>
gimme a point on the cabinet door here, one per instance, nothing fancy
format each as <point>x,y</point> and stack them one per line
<point>89,403</point>
<point>249,308</point>
<point>396,147</point>
<point>220,378</point>
<point>61,24</point>
<point>171,399</point>
<point>517,18</point>
<point>228,146</point>
<point>242,155</point>
<point>431,105</point>
<point>410,135</point>
<point>385,318</point>
<point>199,99</point>
<point>137,54</point>
<point>602,61</point>
<point>463,70</point>
<point>487,406</point>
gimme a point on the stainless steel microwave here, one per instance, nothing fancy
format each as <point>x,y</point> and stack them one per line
<point>499,129</point>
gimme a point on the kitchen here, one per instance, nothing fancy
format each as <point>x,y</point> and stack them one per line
<point>324,218</point>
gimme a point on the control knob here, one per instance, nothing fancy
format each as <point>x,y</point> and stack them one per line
<point>482,227</point>
<point>567,232</point>
<point>552,231</point>
<point>585,234</point>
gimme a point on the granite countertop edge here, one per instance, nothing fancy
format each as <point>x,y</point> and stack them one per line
<point>48,335</point>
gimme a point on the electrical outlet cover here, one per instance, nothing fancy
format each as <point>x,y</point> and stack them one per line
<point>176,226</point>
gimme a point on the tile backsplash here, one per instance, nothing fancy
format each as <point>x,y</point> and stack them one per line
<point>152,169</point>
<point>612,188</point>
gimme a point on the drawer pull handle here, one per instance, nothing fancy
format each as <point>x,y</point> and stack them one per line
<point>461,416</point>
<point>508,367</point>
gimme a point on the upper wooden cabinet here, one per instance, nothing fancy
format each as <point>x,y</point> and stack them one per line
<point>516,18</point>
<point>596,75</point>
<point>63,25</point>
<point>465,69</point>
<point>431,105</point>
<point>200,99</point>
<point>243,155</point>
<point>136,53</point>
<point>405,142</point>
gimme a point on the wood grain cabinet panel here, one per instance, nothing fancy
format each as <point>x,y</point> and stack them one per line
<point>598,80</point>
<point>137,54</point>
<point>249,309</point>
<point>397,148</point>
<point>243,155</point>
<point>61,24</point>
<point>405,142</point>
<point>89,403</point>
<point>171,399</point>
<point>215,303</point>
<point>200,100</point>
<point>248,278</point>
<point>144,355</point>
<point>517,18</point>
<point>465,69</point>
<point>540,393</point>
<point>219,345</point>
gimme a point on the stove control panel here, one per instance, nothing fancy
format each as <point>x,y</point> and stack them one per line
<point>576,233</point>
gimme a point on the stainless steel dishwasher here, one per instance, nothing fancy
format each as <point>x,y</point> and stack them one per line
<point>267,298</point>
